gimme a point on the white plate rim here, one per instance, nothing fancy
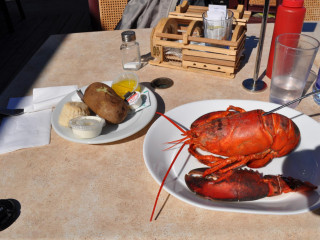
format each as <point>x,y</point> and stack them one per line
<point>221,205</point>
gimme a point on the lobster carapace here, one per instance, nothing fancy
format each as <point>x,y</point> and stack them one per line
<point>242,138</point>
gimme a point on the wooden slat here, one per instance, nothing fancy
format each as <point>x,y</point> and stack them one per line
<point>182,7</point>
<point>165,64</point>
<point>209,55</point>
<point>213,41</point>
<point>211,72</point>
<point>170,36</point>
<point>208,66</point>
<point>197,39</point>
<point>212,49</point>
<point>195,47</point>
<point>208,60</point>
<point>198,8</point>
<point>195,13</point>
<point>198,70</point>
<point>240,39</point>
<point>186,15</point>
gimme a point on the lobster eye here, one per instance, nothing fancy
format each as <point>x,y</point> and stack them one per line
<point>194,134</point>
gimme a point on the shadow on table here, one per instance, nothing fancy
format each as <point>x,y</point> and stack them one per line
<point>305,165</point>
<point>9,212</point>
<point>309,27</point>
<point>311,78</point>
<point>250,43</point>
<point>32,70</point>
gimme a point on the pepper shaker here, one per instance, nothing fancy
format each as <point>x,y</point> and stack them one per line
<point>130,51</point>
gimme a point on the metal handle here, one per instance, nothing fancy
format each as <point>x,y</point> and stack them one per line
<point>293,101</point>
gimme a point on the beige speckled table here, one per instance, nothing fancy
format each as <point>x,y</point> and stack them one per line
<point>75,191</point>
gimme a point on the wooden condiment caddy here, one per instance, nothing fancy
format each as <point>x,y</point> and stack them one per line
<point>178,42</point>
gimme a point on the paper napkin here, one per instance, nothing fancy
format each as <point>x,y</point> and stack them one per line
<point>24,131</point>
<point>32,128</point>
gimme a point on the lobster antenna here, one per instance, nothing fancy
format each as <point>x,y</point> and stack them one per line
<point>170,120</point>
<point>179,141</point>
<point>175,143</point>
<point>164,179</point>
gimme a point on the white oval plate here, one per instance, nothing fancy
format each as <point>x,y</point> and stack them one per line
<point>111,132</point>
<point>303,163</point>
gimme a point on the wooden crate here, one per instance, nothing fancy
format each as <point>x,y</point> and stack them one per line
<point>178,42</point>
<point>184,11</point>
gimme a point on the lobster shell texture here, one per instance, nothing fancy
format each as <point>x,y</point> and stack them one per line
<point>241,138</point>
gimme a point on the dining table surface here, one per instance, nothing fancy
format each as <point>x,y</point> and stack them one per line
<point>70,190</point>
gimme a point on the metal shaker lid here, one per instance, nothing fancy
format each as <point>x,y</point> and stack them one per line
<point>128,36</point>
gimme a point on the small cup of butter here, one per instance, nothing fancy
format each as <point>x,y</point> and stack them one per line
<point>87,126</point>
<point>133,99</point>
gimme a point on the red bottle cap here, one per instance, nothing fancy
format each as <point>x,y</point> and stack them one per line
<point>292,3</point>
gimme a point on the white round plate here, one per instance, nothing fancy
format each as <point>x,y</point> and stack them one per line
<point>111,132</point>
<point>303,163</point>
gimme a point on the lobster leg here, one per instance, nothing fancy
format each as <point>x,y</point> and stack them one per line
<point>238,109</point>
<point>262,158</point>
<point>258,163</point>
<point>242,185</point>
<point>227,168</point>
<point>224,165</point>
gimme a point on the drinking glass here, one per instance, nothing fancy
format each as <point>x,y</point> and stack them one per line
<point>218,29</point>
<point>293,59</point>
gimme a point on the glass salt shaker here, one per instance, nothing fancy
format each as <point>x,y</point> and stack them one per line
<point>130,51</point>
<point>316,86</point>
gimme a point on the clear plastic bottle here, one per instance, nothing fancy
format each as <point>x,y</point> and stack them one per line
<point>130,51</point>
<point>316,86</point>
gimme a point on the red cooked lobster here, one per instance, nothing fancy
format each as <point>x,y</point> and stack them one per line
<point>243,138</point>
<point>240,138</point>
<point>242,185</point>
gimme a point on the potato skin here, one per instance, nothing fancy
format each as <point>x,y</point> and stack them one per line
<point>102,100</point>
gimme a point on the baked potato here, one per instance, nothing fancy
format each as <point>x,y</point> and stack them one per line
<point>104,101</point>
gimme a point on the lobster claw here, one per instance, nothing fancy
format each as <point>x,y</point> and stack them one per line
<point>242,185</point>
<point>280,184</point>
